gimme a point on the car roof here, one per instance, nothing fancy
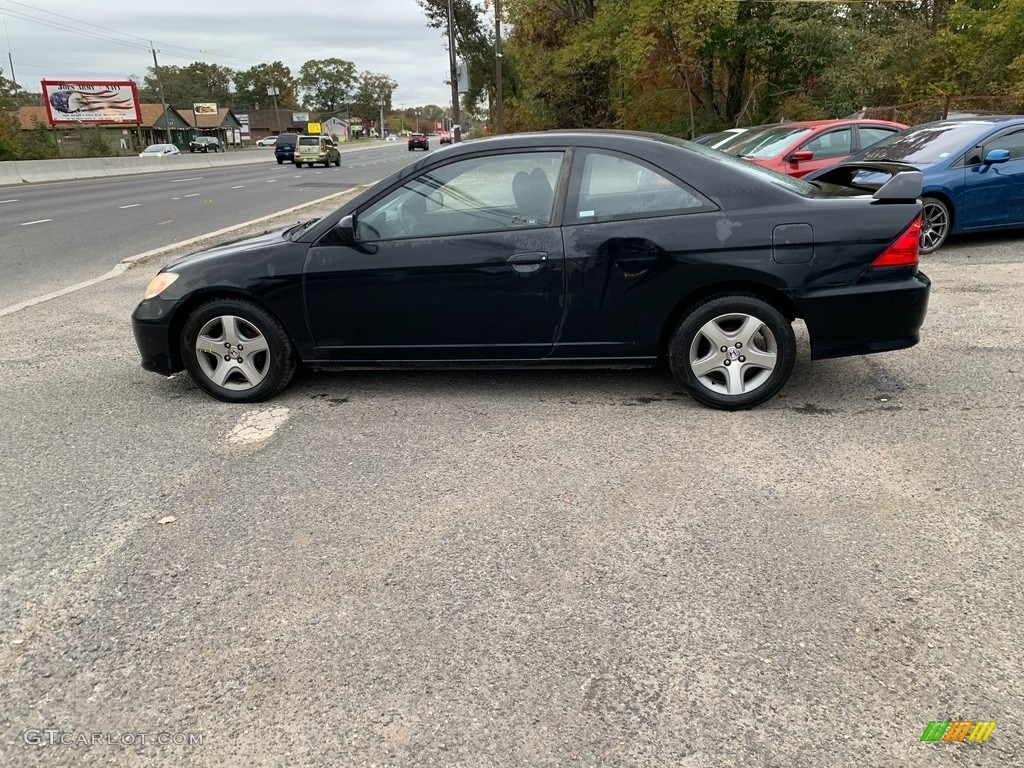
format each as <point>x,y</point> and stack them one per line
<point>819,123</point>
<point>986,120</point>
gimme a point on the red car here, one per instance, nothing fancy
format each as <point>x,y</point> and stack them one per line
<point>797,149</point>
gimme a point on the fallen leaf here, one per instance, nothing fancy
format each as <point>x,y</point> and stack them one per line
<point>166,520</point>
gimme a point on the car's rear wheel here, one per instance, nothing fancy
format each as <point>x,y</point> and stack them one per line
<point>280,161</point>
<point>733,352</point>
<point>936,221</point>
<point>237,351</point>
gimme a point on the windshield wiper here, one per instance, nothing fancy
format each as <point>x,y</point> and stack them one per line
<point>300,227</point>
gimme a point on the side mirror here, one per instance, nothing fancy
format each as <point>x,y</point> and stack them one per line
<point>997,156</point>
<point>801,157</point>
<point>346,229</point>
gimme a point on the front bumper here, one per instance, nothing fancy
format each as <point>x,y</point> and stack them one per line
<point>865,318</point>
<point>151,324</point>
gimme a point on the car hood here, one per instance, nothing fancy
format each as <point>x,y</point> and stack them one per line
<point>231,249</point>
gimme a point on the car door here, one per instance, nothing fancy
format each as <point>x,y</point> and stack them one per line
<point>624,219</point>
<point>827,148</point>
<point>994,193</point>
<point>463,261</point>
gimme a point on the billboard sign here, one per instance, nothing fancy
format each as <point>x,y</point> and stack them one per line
<point>205,108</point>
<point>300,117</point>
<point>96,102</point>
<point>244,120</point>
<point>313,129</point>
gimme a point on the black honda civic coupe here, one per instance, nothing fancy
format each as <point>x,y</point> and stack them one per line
<point>557,248</point>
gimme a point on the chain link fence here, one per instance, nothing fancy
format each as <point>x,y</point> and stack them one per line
<point>943,107</point>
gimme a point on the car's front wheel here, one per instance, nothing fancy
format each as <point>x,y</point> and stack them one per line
<point>237,351</point>
<point>936,221</point>
<point>280,161</point>
<point>733,352</point>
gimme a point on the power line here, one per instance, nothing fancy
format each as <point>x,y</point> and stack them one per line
<point>167,48</point>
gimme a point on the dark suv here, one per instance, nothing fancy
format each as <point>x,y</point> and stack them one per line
<point>204,144</point>
<point>418,141</point>
<point>284,150</point>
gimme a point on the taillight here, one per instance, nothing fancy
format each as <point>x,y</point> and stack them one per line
<point>904,252</point>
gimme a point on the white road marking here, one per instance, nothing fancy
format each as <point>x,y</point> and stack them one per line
<point>165,222</point>
<point>194,194</point>
<point>133,205</point>
<point>271,181</point>
<point>258,426</point>
<point>8,201</point>
<point>37,221</point>
<point>239,186</point>
<point>194,178</point>
<point>175,198</point>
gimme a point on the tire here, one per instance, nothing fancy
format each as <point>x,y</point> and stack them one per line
<point>280,161</point>
<point>936,222</point>
<point>741,324</point>
<point>267,365</point>
<point>337,163</point>
<point>191,150</point>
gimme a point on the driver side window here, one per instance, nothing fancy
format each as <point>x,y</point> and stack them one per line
<point>481,194</point>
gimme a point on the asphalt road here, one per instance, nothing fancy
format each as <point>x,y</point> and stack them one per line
<point>58,234</point>
<point>515,568</point>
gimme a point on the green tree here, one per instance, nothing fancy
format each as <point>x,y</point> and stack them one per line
<point>251,86</point>
<point>327,84</point>
<point>372,90</point>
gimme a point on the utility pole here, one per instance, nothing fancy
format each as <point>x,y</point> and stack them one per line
<point>272,92</point>
<point>382,120</point>
<point>456,119</point>
<point>499,127</point>
<point>10,58</point>
<point>160,85</point>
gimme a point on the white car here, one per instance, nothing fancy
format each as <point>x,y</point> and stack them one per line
<point>392,137</point>
<point>269,141</point>
<point>159,150</point>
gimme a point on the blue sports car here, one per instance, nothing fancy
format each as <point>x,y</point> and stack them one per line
<point>973,173</point>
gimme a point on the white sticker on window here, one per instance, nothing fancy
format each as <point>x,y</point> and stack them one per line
<point>585,214</point>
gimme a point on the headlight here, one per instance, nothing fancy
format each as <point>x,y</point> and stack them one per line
<point>159,284</point>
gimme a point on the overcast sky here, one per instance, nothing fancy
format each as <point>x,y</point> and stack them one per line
<point>386,36</point>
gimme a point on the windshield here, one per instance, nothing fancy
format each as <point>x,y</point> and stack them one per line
<point>309,141</point>
<point>770,143</point>
<point>930,143</point>
<point>154,150</point>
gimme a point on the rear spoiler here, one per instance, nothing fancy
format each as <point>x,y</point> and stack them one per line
<point>905,182</point>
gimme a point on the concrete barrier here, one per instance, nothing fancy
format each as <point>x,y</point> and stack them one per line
<point>9,175</point>
<point>34,171</point>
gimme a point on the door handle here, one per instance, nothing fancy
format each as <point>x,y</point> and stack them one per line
<point>527,262</point>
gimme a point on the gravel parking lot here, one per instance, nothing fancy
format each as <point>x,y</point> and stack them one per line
<point>539,568</point>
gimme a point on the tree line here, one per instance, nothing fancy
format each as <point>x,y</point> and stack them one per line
<point>690,66</point>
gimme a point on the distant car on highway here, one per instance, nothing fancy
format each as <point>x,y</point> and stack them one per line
<point>204,144</point>
<point>392,137</point>
<point>269,141</point>
<point>418,141</point>
<point>284,147</point>
<point>445,137</point>
<point>159,150</point>
<point>316,149</point>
